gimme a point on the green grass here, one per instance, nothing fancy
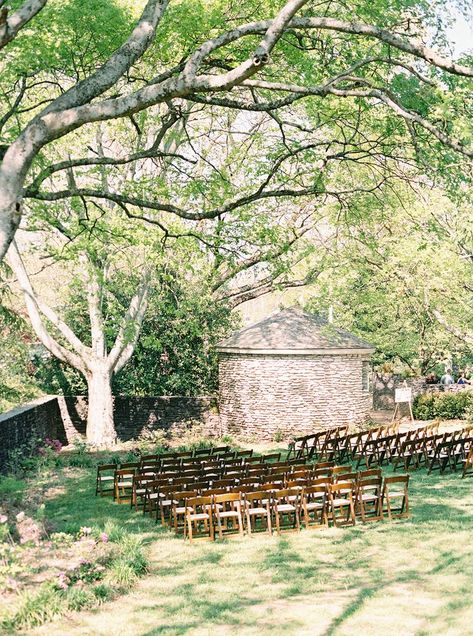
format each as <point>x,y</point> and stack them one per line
<point>407,577</point>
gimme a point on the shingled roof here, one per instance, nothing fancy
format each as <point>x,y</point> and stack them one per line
<point>293,331</point>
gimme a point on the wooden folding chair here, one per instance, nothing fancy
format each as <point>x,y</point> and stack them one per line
<point>123,485</point>
<point>396,488</point>
<point>368,502</point>
<point>138,490</point>
<point>285,506</point>
<point>468,463</point>
<point>314,506</point>
<point>256,511</point>
<point>151,494</point>
<point>341,503</point>
<point>199,518</point>
<point>165,503</point>
<point>227,510</point>
<point>105,477</point>
<point>178,509</point>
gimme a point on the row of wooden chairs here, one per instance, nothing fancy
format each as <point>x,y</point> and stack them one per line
<point>265,509</point>
<point>130,481</point>
<point>110,476</point>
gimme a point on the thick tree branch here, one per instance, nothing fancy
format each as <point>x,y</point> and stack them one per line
<point>130,327</point>
<point>10,26</point>
<point>35,308</point>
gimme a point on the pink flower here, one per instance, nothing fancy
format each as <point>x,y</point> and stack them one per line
<point>3,518</point>
<point>104,537</point>
<point>62,581</point>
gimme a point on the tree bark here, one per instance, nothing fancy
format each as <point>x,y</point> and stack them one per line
<point>100,425</point>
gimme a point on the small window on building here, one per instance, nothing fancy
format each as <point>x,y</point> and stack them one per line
<point>366,376</point>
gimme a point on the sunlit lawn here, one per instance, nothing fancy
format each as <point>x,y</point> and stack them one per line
<point>406,577</point>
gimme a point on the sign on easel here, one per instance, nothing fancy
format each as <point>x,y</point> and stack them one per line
<point>403,395</point>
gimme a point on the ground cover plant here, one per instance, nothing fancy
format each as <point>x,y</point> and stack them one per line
<point>408,577</point>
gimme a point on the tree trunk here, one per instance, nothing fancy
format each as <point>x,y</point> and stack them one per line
<point>100,425</point>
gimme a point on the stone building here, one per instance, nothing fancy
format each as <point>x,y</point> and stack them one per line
<point>291,374</point>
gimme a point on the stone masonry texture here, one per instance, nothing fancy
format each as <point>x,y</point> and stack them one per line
<point>264,395</point>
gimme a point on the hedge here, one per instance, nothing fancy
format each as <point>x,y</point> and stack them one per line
<point>446,406</point>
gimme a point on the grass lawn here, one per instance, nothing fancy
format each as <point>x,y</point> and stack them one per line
<point>402,578</point>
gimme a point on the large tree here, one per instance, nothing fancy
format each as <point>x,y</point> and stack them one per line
<point>374,53</point>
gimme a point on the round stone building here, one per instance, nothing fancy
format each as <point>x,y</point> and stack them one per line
<point>291,374</point>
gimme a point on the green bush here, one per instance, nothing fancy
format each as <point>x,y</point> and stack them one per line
<point>446,406</point>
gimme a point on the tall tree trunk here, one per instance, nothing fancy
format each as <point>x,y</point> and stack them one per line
<point>100,425</point>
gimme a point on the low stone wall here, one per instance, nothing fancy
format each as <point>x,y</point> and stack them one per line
<point>22,426</point>
<point>64,418</point>
<point>134,415</point>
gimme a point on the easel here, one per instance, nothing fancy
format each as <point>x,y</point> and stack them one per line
<point>402,395</point>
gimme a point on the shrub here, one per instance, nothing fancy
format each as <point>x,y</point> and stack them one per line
<point>446,406</point>
<point>36,609</point>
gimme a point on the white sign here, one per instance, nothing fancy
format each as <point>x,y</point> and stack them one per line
<point>403,395</point>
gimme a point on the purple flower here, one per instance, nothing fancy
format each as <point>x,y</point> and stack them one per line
<point>104,537</point>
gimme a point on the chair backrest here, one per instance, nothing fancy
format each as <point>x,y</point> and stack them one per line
<point>125,472</point>
<point>341,486</point>
<point>372,472</point>
<point>370,484</point>
<point>270,486</point>
<point>202,451</point>
<point>244,481</point>
<point>106,467</point>
<point>220,449</point>
<point>284,493</point>
<point>243,488</point>
<point>397,479</point>
<point>201,501</point>
<point>253,459</point>
<point>312,490</point>
<point>320,465</point>
<point>203,484</point>
<point>340,469</point>
<point>245,453</point>
<point>130,465</point>
<point>180,496</point>
<point>147,458</point>
<point>352,476</point>
<point>183,481</point>
<point>319,481</point>
<point>255,495</point>
<point>321,472</point>
<point>223,483</point>
<point>272,457</point>
<point>297,483</point>
<point>227,497</point>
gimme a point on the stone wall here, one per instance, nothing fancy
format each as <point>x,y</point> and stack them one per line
<point>64,418</point>
<point>22,426</point>
<point>264,395</point>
